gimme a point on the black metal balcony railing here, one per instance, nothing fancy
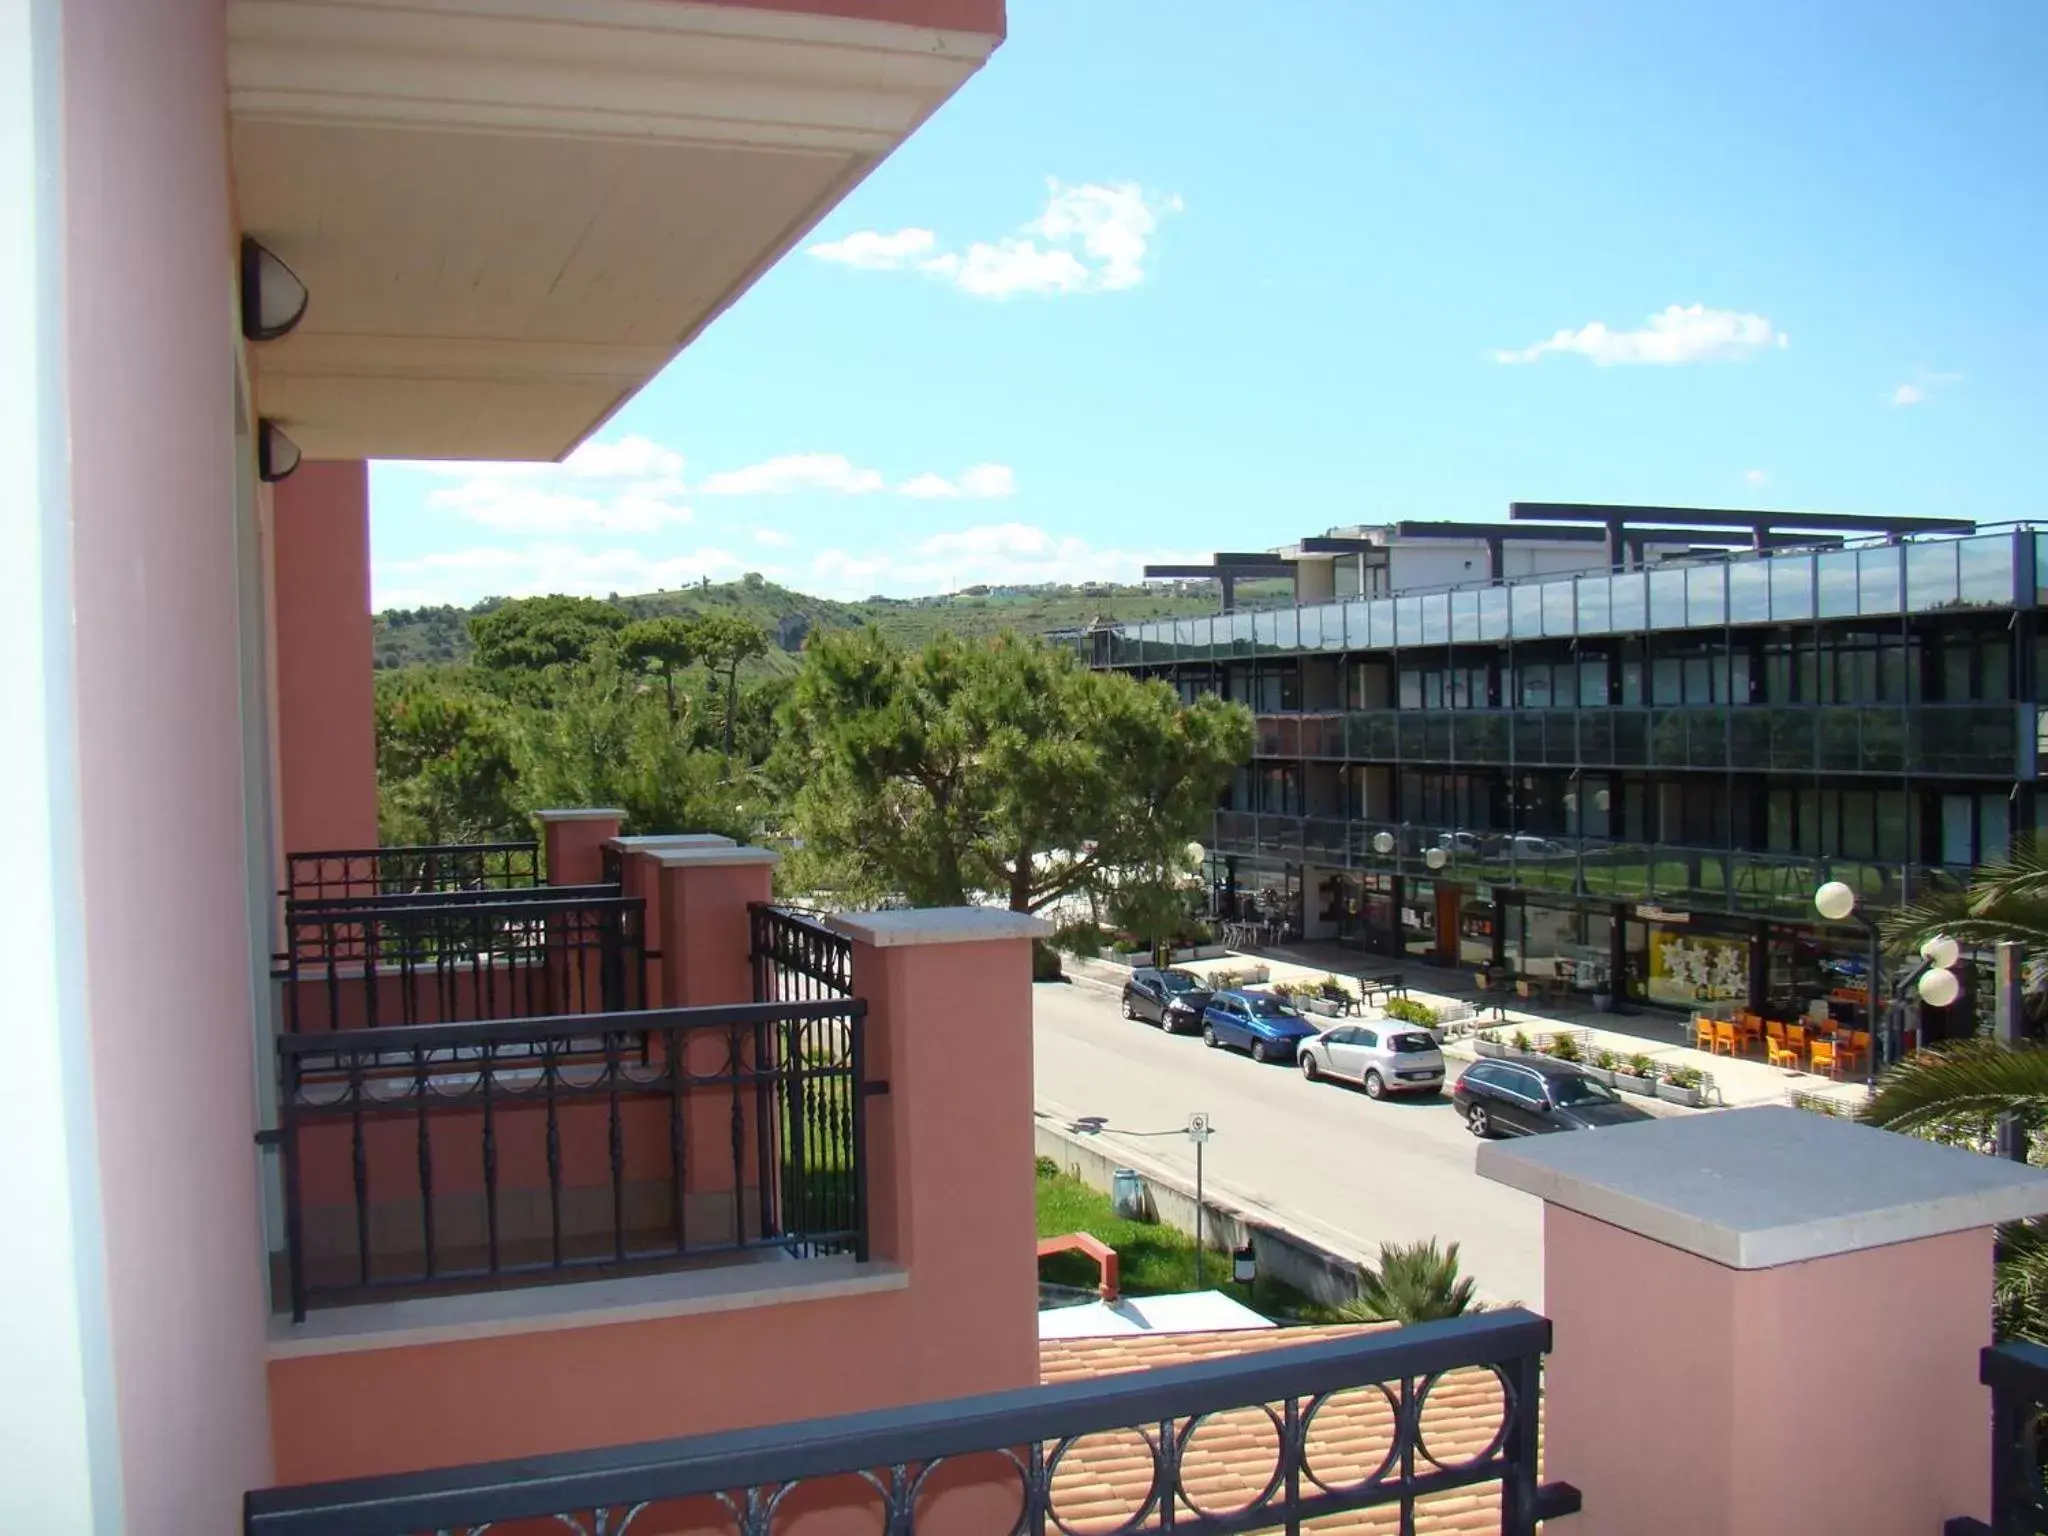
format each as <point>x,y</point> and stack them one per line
<point>376,961</point>
<point>442,1156</point>
<point>2017,1374</point>
<point>418,869</point>
<point>797,956</point>
<point>1736,881</point>
<point>1975,740</point>
<point>1350,1424</point>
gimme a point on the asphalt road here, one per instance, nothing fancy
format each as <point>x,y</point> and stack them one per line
<point>1321,1160</point>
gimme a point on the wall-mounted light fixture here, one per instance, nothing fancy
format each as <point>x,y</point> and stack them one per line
<point>273,298</point>
<point>276,455</point>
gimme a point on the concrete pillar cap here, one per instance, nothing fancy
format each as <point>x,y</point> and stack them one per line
<point>1757,1188</point>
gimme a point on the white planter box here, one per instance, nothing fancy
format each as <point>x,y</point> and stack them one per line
<point>1628,1082</point>
<point>1489,1048</point>
<point>1328,1007</point>
<point>1200,952</point>
<point>1691,1097</point>
<point>1603,1074</point>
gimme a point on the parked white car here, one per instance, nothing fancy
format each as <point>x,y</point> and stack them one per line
<point>1383,1058</point>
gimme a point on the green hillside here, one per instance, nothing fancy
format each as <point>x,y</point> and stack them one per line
<point>417,636</point>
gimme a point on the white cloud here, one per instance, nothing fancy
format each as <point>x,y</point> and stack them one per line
<point>1922,391</point>
<point>983,480</point>
<point>773,537</point>
<point>796,472</point>
<point>875,251</point>
<point>465,576</point>
<point>1757,476</point>
<point>1089,238</point>
<point>1679,334</point>
<point>999,554</point>
<point>836,474</point>
<point>633,485</point>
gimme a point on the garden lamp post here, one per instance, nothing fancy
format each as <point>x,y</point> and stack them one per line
<point>1836,902</point>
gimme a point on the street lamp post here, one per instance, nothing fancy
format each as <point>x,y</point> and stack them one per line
<point>1934,978</point>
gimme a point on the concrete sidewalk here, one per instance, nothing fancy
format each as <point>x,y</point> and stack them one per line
<point>1664,1038</point>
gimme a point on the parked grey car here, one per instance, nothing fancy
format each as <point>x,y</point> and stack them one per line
<point>1383,1058</point>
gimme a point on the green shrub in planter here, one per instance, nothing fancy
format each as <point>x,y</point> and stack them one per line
<point>1606,1061</point>
<point>1523,1043</point>
<point>1563,1047</point>
<point>1683,1077</point>
<point>1409,1011</point>
<point>1641,1066</point>
<point>1333,988</point>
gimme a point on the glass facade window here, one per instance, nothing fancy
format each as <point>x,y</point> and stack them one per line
<point>1593,605</point>
<point>1526,609</point>
<point>1309,628</point>
<point>1408,621</point>
<point>1667,599</point>
<point>1465,615</point>
<point>1749,592</point>
<point>1837,584</point>
<point>1560,608</point>
<point>1791,588</point>
<point>1706,595</point>
<point>1629,601</point>
<point>1984,570</point>
<point>1931,575</point>
<point>1493,613</point>
<point>1358,625</point>
<point>1877,579</point>
<point>1382,622</point>
<point>1436,618</point>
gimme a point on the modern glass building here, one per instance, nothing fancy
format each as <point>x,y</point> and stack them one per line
<point>1633,780</point>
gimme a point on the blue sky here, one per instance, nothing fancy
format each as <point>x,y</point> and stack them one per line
<point>1171,275</point>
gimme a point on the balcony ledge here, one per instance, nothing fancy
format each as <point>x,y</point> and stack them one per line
<point>763,1281</point>
<point>1758,1188</point>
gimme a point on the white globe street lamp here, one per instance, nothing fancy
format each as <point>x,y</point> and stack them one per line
<point>1940,988</point>
<point>1941,952</point>
<point>1834,901</point>
<point>1383,843</point>
<point>1436,858</point>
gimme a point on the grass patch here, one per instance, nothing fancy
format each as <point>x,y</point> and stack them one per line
<point>1153,1259</point>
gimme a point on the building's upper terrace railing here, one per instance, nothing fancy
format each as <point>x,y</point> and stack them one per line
<point>1737,881</point>
<point>418,869</point>
<point>1400,1421</point>
<point>1926,574</point>
<point>1973,740</point>
<point>443,1156</point>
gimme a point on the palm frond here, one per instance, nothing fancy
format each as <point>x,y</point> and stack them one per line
<point>1415,1283</point>
<point>1954,1082</point>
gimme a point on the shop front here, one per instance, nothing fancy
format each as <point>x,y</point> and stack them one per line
<point>1688,966</point>
<point>1572,945</point>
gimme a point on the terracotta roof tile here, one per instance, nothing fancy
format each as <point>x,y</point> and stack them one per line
<point>1103,1480</point>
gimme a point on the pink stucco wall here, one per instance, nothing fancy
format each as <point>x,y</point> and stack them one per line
<point>1691,1399</point>
<point>150,359</point>
<point>951,1182</point>
<point>326,712</point>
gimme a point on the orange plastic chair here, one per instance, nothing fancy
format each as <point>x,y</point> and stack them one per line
<point>1778,1054</point>
<point>1702,1032</point>
<point>1824,1058</point>
<point>1724,1039</point>
<point>1795,1040</point>
<point>1774,1029</point>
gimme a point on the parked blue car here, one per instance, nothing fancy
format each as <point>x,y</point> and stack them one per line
<point>1261,1024</point>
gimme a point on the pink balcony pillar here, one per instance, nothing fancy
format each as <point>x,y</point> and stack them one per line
<point>1766,1321</point>
<point>572,842</point>
<point>949,1146</point>
<point>640,877</point>
<point>703,893</point>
